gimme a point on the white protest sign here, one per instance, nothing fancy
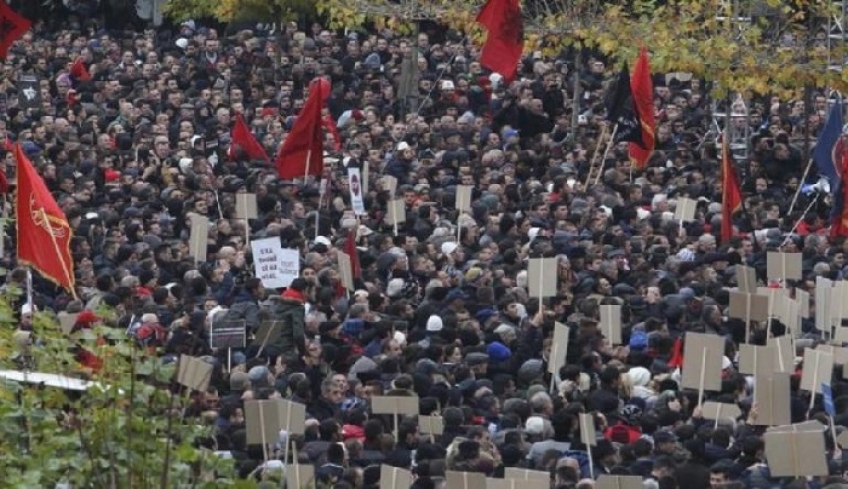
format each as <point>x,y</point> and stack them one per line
<point>273,265</point>
<point>354,180</point>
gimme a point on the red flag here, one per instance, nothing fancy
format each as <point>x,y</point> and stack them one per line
<point>12,27</point>
<point>642,88</point>
<point>350,250</point>
<point>505,40</point>
<point>79,71</point>
<point>331,127</point>
<point>302,152</point>
<point>676,359</point>
<point>731,195</point>
<point>241,137</point>
<point>44,235</point>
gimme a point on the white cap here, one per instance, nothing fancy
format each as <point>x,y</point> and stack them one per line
<point>400,338</point>
<point>449,247</point>
<point>394,287</point>
<point>26,309</point>
<point>403,146</point>
<point>323,240</point>
<point>182,43</point>
<point>447,85</point>
<point>532,233</point>
<point>434,324</point>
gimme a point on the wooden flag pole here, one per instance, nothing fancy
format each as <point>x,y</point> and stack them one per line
<point>703,373</point>
<point>800,186</point>
<point>606,152</point>
<point>308,161</point>
<point>604,131</point>
<point>815,383</point>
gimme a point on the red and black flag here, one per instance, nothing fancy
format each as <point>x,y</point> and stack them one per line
<point>12,27</point>
<point>621,112</point>
<point>505,40</point>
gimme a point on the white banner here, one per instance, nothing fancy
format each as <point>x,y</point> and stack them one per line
<point>354,180</point>
<point>274,266</point>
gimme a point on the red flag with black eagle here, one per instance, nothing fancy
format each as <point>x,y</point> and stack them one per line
<point>12,27</point>
<point>505,39</point>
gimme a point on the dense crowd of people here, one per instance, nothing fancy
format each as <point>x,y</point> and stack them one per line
<point>441,307</point>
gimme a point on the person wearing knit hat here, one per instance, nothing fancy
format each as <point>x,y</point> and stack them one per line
<point>434,324</point>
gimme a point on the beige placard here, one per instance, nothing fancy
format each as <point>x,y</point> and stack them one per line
<point>789,312</point>
<point>818,369</point>
<point>559,348</point>
<point>619,482</point>
<point>465,480</point>
<point>261,421</point>
<point>542,277</point>
<point>772,397</point>
<point>803,299</point>
<point>431,425</point>
<point>397,212</point>
<point>796,454</point>
<point>300,476</point>
<point>840,354</point>
<point>702,355</point>
<point>783,266</point>
<point>746,279</point>
<point>506,483</point>
<point>67,321</point>
<point>812,425</point>
<point>526,475</point>
<point>405,405</point>
<point>756,360</point>
<point>748,307</point>
<point>842,439</point>
<point>463,198</point>
<point>345,270</point>
<point>822,296</point>
<point>685,209</point>
<point>389,185</point>
<point>587,429</point>
<point>720,410</point>
<point>194,373</point>
<point>246,206</point>
<point>784,352</point>
<point>199,237</point>
<point>611,323</point>
<point>366,177</point>
<point>774,294</point>
<point>392,477</point>
<point>838,304</point>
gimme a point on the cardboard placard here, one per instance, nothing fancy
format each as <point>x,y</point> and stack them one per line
<point>795,453</point>
<point>67,321</point>
<point>789,312</point>
<point>720,410</point>
<point>783,266</point>
<point>818,369</point>
<point>619,482</point>
<point>840,354</point>
<point>526,475</point>
<point>266,418</point>
<point>702,355</point>
<point>199,237</point>
<point>748,307</point>
<point>274,265</point>
<point>366,175</point>
<point>463,198</point>
<point>465,480</point>
<point>389,185</point>
<point>587,429</point>
<point>357,201</point>
<point>756,360</point>
<point>396,212</point>
<point>774,295</point>
<point>246,206</point>
<point>227,334</point>
<point>746,279</point>
<point>345,270</point>
<point>194,373</point>
<point>803,299</point>
<point>431,425</point>
<point>405,405</point>
<point>685,209</point>
<point>822,296</point>
<point>506,483</point>
<point>391,477</point>
<point>784,351</point>
<point>542,277</point>
<point>559,348</point>
<point>772,397</point>
<point>838,304</point>
<point>842,439</point>
<point>300,476</point>
<point>806,426</point>
<point>611,323</point>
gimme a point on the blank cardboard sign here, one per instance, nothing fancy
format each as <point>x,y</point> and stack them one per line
<point>67,321</point>
<point>431,425</point>
<point>389,184</point>
<point>559,348</point>
<point>345,270</point>
<point>842,439</point>
<point>397,212</point>
<point>526,475</point>
<point>463,198</point>
<point>840,354</point>
<point>508,483</point>
<point>822,295</point>
<point>404,405</point>
<point>702,352</point>
<point>391,477</point>
<point>542,277</point>
<point>803,299</point>
<point>194,373</point>
<point>300,476</point>
<point>199,237</point>
<point>720,410</point>
<point>818,369</point>
<point>796,453</point>
<point>746,279</point>
<point>783,266</point>
<point>772,397</point>
<point>465,480</point>
<point>685,209</point>
<point>611,323</point>
<point>784,351</point>
<point>756,360</point>
<point>246,206</point>
<point>587,430</point>
<point>264,419</point>
<point>619,482</point>
<point>748,307</point>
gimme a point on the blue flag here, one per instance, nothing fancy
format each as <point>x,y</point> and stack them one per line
<point>827,395</point>
<point>828,153</point>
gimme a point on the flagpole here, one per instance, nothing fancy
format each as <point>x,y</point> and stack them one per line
<point>798,222</point>
<point>800,185</point>
<point>59,254</point>
<point>606,152</point>
<point>29,289</point>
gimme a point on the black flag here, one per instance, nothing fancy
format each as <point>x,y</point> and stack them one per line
<point>621,111</point>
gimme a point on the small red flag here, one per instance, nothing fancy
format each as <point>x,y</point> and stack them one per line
<point>505,39</point>
<point>44,235</point>
<point>731,195</point>
<point>642,88</point>
<point>79,71</point>
<point>12,27</point>
<point>241,137</point>
<point>350,250</point>
<point>331,127</point>
<point>676,359</point>
<point>302,154</point>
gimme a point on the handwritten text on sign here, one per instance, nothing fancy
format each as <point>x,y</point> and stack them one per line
<point>274,266</point>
